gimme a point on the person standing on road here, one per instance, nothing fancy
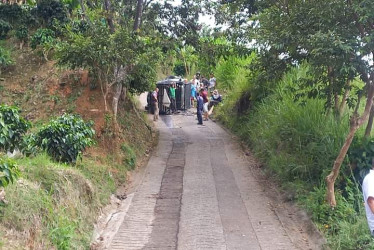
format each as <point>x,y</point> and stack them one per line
<point>199,106</point>
<point>368,193</point>
<point>155,104</point>
<point>193,92</point>
<point>212,82</point>
<point>173,106</point>
<point>204,94</point>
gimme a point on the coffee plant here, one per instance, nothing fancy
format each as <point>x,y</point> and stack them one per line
<point>12,128</point>
<point>22,33</point>
<point>8,171</point>
<point>66,137</point>
<point>49,10</point>
<point>41,37</point>
<point>5,27</point>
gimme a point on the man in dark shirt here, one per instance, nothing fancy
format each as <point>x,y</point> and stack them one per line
<point>200,104</point>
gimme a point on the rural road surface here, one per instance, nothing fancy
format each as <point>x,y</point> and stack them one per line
<point>198,192</point>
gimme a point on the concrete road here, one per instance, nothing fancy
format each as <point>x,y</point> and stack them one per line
<point>199,192</point>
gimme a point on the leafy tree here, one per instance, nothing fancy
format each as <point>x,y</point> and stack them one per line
<point>112,57</point>
<point>334,36</point>
<point>189,58</point>
<point>12,128</point>
<point>181,20</point>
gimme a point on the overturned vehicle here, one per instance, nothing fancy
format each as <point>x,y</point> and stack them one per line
<point>182,95</point>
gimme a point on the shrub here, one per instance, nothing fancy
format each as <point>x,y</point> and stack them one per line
<point>65,138</point>
<point>18,15</point>
<point>49,10</point>
<point>22,33</point>
<point>12,128</point>
<point>41,37</point>
<point>11,12</point>
<point>8,171</point>
<point>79,26</point>
<point>360,156</point>
<point>5,58</point>
<point>5,27</point>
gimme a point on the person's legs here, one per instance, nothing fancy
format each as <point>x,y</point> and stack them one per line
<point>155,117</point>
<point>199,117</point>
<point>173,105</point>
<point>206,111</point>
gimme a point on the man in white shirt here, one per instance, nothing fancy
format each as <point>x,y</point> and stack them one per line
<point>212,82</point>
<point>368,193</point>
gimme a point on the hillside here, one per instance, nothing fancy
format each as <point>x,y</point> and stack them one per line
<point>56,205</point>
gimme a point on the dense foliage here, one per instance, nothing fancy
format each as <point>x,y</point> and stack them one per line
<point>42,37</point>
<point>5,27</point>
<point>9,171</point>
<point>50,10</point>
<point>65,138</point>
<point>12,127</point>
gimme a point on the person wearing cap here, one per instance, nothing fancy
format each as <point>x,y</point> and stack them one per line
<point>368,193</point>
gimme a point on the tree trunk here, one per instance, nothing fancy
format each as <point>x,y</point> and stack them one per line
<point>119,77</point>
<point>116,97</point>
<point>336,103</point>
<point>138,15</point>
<point>369,126</point>
<point>109,18</point>
<point>355,124</point>
<point>344,99</point>
<point>104,91</point>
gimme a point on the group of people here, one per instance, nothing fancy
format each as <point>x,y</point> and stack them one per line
<point>200,87</point>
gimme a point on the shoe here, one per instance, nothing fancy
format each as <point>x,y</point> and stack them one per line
<point>199,123</point>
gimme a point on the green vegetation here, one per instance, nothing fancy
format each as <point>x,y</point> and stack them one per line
<point>57,203</point>
<point>8,171</point>
<point>297,86</point>
<point>12,128</point>
<point>65,138</point>
<point>297,141</point>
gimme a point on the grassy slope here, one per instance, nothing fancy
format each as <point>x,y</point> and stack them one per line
<point>54,205</point>
<point>298,143</point>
